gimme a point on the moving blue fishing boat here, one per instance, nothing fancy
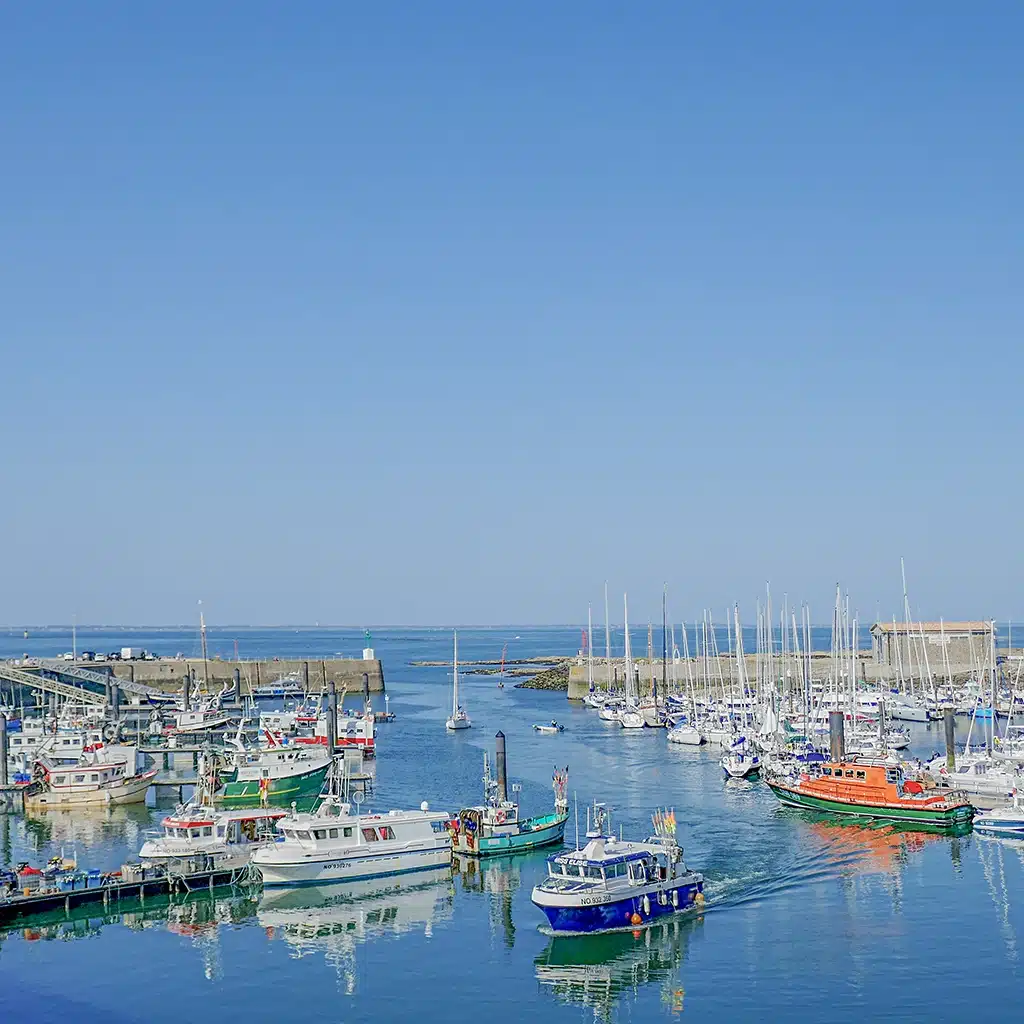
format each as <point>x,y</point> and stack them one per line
<point>614,883</point>
<point>495,826</point>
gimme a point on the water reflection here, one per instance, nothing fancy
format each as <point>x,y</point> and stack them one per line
<point>597,971</point>
<point>335,919</point>
<point>500,878</point>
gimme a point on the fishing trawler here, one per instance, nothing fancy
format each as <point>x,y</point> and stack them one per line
<point>94,782</point>
<point>198,835</point>
<point>872,788</point>
<point>614,883</point>
<point>273,773</point>
<point>496,828</point>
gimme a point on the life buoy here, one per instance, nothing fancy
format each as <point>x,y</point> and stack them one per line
<point>109,732</point>
<point>500,817</point>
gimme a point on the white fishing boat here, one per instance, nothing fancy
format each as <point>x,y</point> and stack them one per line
<point>102,783</point>
<point>459,719</point>
<point>613,883</point>
<point>223,839</point>
<point>199,719</point>
<point>335,845</point>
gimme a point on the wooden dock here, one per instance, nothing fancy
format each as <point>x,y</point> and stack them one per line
<point>150,883</point>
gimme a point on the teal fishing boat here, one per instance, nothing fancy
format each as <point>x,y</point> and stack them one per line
<point>495,827</point>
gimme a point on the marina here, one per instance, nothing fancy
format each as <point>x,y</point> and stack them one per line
<point>800,854</point>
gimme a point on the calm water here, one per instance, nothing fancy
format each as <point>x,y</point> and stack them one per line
<point>806,917</point>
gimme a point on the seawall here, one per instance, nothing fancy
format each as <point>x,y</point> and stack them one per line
<point>313,673</point>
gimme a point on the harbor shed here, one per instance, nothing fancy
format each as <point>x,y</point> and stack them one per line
<point>905,644</point>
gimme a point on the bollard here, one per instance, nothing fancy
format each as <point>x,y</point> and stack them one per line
<point>115,698</point>
<point>238,682</point>
<point>949,723</point>
<point>3,750</point>
<point>305,677</point>
<point>332,718</point>
<point>837,738</point>
<point>186,690</point>
<point>499,763</point>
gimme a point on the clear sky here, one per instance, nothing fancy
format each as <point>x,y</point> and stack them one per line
<point>433,313</point>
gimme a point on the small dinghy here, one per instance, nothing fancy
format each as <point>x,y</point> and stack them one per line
<point>553,727</point>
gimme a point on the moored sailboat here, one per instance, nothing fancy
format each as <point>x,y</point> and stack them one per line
<point>459,719</point>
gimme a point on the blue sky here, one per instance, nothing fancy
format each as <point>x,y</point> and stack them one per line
<point>448,313</point>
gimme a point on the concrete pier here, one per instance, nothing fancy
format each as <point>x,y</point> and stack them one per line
<point>169,673</point>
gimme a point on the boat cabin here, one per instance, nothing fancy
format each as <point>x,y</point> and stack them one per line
<point>607,863</point>
<point>865,779</point>
<point>205,827</point>
<point>78,777</point>
<point>346,830</point>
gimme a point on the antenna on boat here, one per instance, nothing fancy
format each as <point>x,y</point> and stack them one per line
<point>576,811</point>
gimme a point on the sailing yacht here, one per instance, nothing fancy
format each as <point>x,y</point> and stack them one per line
<point>459,719</point>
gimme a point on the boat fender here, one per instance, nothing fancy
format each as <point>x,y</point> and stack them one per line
<point>663,897</point>
<point>675,898</point>
<point>647,905</point>
<point>500,817</point>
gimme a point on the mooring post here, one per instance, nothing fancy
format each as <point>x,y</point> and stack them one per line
<point>305,677</point>
<point>499,763</point>
<point>949,725</point>
<point>837,738</point>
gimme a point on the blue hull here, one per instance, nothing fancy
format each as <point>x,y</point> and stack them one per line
<point>606,916</point>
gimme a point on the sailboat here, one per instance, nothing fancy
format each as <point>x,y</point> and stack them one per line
<point>459,719</point>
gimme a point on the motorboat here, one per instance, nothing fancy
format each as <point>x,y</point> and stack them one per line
<point>275,773</point>
<point>613,883</point>
<point>198,834</point>
<point>336,845</point>
<point>553,726</point>
<point>872,788</point>
<point>1007,822</point>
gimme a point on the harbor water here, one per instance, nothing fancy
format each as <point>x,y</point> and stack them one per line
<point>807,916</point>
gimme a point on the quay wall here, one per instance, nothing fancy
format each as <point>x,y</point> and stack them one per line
<point>868,671</point>
<point>169,673</point>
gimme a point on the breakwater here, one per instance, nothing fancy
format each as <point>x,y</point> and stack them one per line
<point>311,673</point>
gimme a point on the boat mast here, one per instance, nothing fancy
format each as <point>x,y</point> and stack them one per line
<point>590,651</point>
<point>626,654</point>
<point>202,641</point>
<point>455,673</point>
<point>664,644</point>
<point>607,640</point>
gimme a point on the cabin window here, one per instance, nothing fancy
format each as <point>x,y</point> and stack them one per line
<point>320,833</point>
<point>220,831</point>
<point>301,835</point>
<point>890,774</point>
<point>861,775</point>
<point>387,832</point>
<point>67,743</point>
<point>94,778</point>
<point>79,778</point>
<point>437,826</point>
<point>207,830</point>
<point>58,780</point>
<point>196,833</point>
<point>826,771</point>
<point>849,774</point>
<point>348,833</point>
<point>369,835</point>
<point>333,833</point>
